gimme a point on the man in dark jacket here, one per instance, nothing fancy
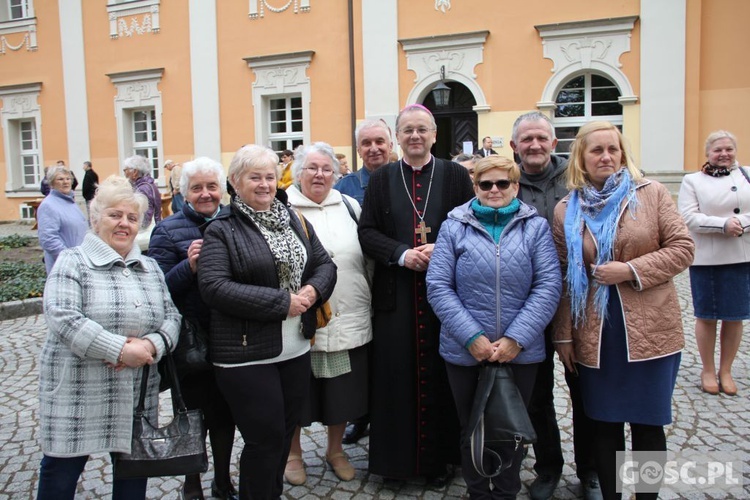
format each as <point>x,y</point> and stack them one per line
<point>90,183</point>
<point>542,185</point>
<point>486,148</point>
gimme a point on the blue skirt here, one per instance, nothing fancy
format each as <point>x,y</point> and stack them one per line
<point>721,292</point>
<point>637,392</point>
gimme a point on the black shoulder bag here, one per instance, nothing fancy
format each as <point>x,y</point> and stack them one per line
<point>174,450</point>
<point>498,418</point>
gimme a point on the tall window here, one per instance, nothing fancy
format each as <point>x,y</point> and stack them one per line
<point>285,123</point>
<point>145,138</point>
<point>583,99</point>
<point>18,9</point>
<point>29,149</point>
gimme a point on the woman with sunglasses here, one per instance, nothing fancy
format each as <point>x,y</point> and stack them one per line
<point>494,281</point>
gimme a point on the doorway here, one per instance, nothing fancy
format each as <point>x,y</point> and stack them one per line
<point>456,122</point>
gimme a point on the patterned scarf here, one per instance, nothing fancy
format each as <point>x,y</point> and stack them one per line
<point>599,211</point>
<point>288,251</point>
<point>715,171</point>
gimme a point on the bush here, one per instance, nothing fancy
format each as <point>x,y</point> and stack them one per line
<point>15,241</point>
<point>20,280</point>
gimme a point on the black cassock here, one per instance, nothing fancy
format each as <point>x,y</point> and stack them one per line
<point>414,427</point>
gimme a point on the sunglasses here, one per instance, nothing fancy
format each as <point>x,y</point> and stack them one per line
<point>502,185</point>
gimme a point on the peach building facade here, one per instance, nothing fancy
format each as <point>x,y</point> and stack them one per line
<point>100,80</point>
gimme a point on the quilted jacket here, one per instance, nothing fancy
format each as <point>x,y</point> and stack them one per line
<point>168,247</point>
<point>511,289</point>
<point>655,243</point>
<point>238,280</point>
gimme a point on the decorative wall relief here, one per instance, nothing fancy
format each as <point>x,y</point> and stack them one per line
<point>124,20</point>
<point>258,7</point>
<point>443,5</point>
<point>26,26</point>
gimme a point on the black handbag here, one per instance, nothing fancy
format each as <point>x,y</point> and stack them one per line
<point>177,449</point>
<point>190,354</point>
<point>498,418</point>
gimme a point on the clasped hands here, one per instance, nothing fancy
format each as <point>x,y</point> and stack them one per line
<point>502,350</point>
<point>733,227</point>
<point>302,300</point>
<point>418,258</point>
<point>611,273</point>
<point>135,353</point>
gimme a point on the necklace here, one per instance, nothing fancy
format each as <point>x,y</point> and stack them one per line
<point>422,229</point>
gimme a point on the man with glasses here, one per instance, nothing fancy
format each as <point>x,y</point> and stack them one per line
<point>374,145</point>
<point>414,428</point>
<point>542,185</point>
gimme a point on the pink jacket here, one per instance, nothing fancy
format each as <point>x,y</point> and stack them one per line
<point>657,246</point>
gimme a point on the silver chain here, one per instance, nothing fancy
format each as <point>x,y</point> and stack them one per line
<point>429,188</point>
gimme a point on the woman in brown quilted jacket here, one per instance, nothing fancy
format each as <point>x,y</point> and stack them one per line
<point>621,241</point>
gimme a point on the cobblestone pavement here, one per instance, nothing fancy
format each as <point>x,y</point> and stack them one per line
<point>701,423</point>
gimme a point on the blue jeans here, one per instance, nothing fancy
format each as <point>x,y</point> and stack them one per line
<point>58,478</point>
<point>177,201</point>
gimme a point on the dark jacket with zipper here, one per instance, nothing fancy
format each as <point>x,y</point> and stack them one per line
<point>238,280</point>
<point>544,191</point>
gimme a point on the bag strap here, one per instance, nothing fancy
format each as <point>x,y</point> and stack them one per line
<point>304,224</point>
<point>747,178</point>
<point>350,209</point>
<point>178,404</point>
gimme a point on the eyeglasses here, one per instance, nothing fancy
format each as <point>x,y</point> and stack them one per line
<point>420,131</point>
<point>327,172</point>
<point>502,185</point>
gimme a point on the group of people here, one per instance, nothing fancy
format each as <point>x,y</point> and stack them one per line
<point>428,272</point>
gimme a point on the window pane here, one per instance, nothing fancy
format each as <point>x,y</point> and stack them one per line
<point>600,81</point>
<point>566,96</point>
<point>296,102</point>
<point>606,94</point>
<point>576,83</point>
<point>606,108</point>
<point>278,104</point>
<point>296,114</point>
<point>296,126</point>
<point>278,115</point>
<point>296,143</point>
<point>566,110</point>
<point>139,116</point>
<point>278,146</point>
<point>278,127</point>
<point>30,169</point>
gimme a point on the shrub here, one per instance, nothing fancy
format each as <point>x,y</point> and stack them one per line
<point>15,241</point>
<point>21,280</point>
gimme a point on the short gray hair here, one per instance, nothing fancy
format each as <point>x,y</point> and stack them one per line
<point>138,163</point>
<point>463,157</point>
<point>719,134</point>
<point>56,170</point>
<point>300,159</point>
<point>113,191</point>
<point>372,124</point>
<point>251,156</point>
<point>413,108</point>
<point>203,165</point>
<point>532,116</point>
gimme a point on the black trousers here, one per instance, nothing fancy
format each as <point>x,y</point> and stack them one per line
<point>610,438</point>
<point>463,381</point>
<point>547,449</point>
<point>266,402</point>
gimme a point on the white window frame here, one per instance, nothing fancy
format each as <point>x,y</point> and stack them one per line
<point>26,9</point>
<point>20,104</point>
<point>137,91</point>
<point>587,116</point>
<point>280,76</point>
<point>150,147</point>
<point>32,153</point>
<point>289,136</point>
<point>12,25</point>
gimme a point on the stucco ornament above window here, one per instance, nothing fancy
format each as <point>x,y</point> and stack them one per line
<point>133,18</point>
<point>258,7</point>
<point>19,23</point>
<point>443,5</point>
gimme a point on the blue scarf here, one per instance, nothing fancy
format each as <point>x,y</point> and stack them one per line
<point>494,220</point>
<point>599,211</point>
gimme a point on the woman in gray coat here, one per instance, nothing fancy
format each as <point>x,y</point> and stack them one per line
<point>105,305</point>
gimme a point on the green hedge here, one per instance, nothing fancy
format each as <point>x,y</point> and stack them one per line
<point>20,280</point>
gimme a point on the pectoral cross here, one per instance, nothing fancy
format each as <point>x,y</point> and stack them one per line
<point>422,230</point>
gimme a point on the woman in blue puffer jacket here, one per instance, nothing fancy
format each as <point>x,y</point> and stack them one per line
<point>494,281</point>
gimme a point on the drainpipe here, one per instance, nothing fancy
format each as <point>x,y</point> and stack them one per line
<point>352,91</point>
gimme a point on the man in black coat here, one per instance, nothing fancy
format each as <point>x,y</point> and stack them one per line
<point>414,427</point>
<point>90,183</point>
<point>486,148</point>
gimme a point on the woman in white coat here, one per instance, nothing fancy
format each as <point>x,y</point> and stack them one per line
<point>339,380</point>
<point>715,203</point>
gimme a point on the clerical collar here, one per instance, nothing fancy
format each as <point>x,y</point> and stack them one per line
<point>418,169</point>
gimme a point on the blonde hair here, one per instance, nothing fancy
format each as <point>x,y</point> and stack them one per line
<point>496,162</point>
<point>113,191</point>
<point>719,134</point>
<point>577,175</point>
<point>251,156</point>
